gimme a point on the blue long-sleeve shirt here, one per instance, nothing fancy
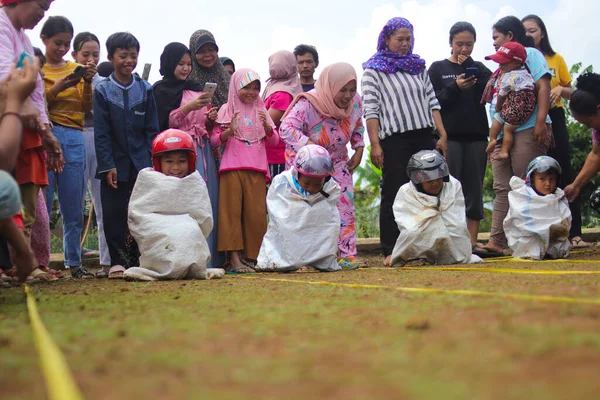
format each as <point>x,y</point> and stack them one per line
<point>125,123</point>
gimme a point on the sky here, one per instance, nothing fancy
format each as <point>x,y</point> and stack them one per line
<point>248,32</point>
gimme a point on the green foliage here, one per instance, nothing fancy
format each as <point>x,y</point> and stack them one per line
<point>366,202</point>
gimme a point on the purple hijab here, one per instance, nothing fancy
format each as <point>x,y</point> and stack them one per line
<point>391,62</point>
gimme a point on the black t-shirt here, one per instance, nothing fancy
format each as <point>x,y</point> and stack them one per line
<point>308,86</point>
<point>464,117</point>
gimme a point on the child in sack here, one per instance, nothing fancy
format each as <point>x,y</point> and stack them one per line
<point>170,215</point>
<point>539,219</point>
<point>304,222</point>
<point>516,96</point>
<point>430,213</point>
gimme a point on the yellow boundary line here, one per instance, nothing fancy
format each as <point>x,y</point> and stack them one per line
<point>492,270</point>
<point>60,384</point>
<point>548,299</point>
<point>522,260</point>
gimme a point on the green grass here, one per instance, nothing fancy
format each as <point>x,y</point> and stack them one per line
<point>240,338</point>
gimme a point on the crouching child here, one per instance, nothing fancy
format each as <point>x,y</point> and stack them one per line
<point>539,219</point>
<point>430,213</point>
<point>304,222</point>
<point>170,215</point>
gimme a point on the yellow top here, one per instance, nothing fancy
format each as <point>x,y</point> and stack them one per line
<point>70,106</point>
<point>560,74</point>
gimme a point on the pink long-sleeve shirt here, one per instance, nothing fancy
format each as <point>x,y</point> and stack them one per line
<point>12,44</point>
<point>241,155</point>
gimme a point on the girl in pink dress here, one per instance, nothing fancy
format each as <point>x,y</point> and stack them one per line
<point>331,116</point>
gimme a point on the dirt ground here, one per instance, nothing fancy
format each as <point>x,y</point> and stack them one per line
<point>268,336</point>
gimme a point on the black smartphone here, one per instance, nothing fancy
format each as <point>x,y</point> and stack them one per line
<point>78,72</point>
<point>471,71</point>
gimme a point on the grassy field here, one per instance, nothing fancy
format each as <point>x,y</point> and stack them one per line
<point>273,336</point>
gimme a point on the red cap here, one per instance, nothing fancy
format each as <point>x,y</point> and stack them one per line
<point>511,51</point>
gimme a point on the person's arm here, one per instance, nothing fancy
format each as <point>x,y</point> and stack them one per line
<point>371,97</point>
<point>151,119</point>
<point>87,97</point>
<point>543,103</point>
<point>442,143</point>
<point>102,135</point>
<point>500,102</point>
<point>446,94</point>
<point>564,88</point>
<point>291,129</point>
<point>356,141</point>
<point>24,259</point>
<point>590,168</point>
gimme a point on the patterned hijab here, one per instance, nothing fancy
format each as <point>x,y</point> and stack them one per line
<point>216,74</point>
<point>283,69</point>
<point>391,62</point>
<point>249,129</point>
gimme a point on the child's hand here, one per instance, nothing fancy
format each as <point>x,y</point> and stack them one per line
<point>555,94</point>
<point>90,72</point>
<point>62,84</point>
<point>462,58</point>
<point>111,178</point>
<point>25,263</point>
<point>55,161</point>
<point>212,114</point>
<point>265,123</point>
<point>198,103</point>
<point>234,121</point>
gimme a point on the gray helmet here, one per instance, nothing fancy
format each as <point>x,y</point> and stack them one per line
<point>427,165</point>
<point>543,164</point>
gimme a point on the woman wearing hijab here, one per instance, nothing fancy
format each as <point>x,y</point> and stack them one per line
<point>402,112</point>
<point>282,87</point>
<point>331,116</point>
<point>206,66</point>
<point>182,105</point>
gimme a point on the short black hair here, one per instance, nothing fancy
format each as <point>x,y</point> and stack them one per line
<point>39,54</point>
<point>55,25</point>
<point>303,49</point>
<point>586,98</point>
<point>545,42</point>
<point>121,40</point>
<point>83,38</point>
<point>514,25</point>
<point>462,26</point>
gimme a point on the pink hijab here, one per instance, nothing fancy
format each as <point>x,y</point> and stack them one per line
<point>250,128</point>
<point>333,78</point>
<point>284,74</point>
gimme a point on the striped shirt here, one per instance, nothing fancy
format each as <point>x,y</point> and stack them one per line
<point>69,107</point>
<point>401,101</point>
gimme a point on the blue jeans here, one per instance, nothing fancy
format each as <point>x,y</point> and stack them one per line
<point>71,190</point>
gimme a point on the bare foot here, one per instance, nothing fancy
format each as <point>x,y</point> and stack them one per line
<point>387,261</point>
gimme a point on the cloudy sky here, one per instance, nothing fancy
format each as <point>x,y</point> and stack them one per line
<point>248,32</point>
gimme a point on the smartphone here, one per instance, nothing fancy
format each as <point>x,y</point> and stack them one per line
<point>78,72</point>
<point>210,87</point>
<point>471,71</point>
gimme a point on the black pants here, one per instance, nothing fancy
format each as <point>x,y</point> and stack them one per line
<point>5,262</point>
<point>562,154</point>
<point>397,150</point>
<point>121,246</point>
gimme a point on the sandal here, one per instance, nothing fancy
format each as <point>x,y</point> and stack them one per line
<point>244,269</point>
<point>578,243</point>
<point>38,275</point>
<point>56,273</point>
<point>81,273</point>
<point>348,264</point>
<point>116,272</point>
<point>4,277</point>
<point>485,252</point>
<point>101,273</point>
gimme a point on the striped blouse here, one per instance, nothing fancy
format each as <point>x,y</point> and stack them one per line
<point>401,101</point>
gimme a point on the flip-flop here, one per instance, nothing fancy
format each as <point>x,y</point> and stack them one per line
<point>485,252</point>
<point>577,244</point>
<point>116,272</point>
<point>235,271</point>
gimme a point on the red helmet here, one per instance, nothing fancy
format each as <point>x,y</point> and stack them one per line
<point>173,140</point>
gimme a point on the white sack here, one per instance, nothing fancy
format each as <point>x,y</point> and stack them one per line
<point>170,218</point>
<point>436,233</point>
<point>302,230</point>
<point>535,225</point>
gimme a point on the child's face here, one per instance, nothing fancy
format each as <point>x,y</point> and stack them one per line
<point>57,46</point>
<point>249,93</point>
<point>124,61</point>
<point>311,184</point>
<point>433,187</point>
<point>175,163</point>
<point>89,52</point>
<point>545,182</point>
<point>510,66</point>
<point>183,69</point>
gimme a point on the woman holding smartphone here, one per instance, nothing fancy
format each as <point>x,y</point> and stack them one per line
<point>459,82</point>
<point>186,105</point>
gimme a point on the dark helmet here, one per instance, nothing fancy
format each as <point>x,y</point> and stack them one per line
<point>543,164</point>
<point>427,165</point>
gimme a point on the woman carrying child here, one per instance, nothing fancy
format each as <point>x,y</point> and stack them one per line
<point>69,97</point>
<point>243,127</point>
<point>182,105</point>
<point>331,116</point>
